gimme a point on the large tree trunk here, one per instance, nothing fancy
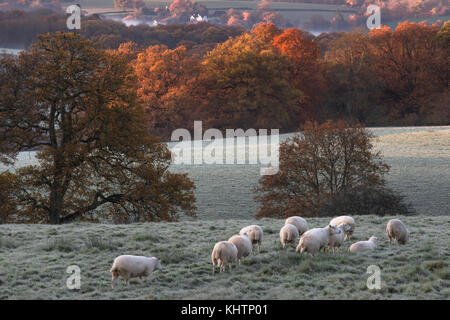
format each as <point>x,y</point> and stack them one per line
<point>56,207</point>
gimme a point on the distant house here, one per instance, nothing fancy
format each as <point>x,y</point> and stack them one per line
<point>198,18</point>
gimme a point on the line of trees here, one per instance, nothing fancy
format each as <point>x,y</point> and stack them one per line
<point>270,77</point>
<point>276,78</point>
<point>89,113</point>
<point>19,29</point>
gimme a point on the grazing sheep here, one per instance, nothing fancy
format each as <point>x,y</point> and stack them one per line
<point>396,230</point>
<point>315,239</point>
<point>255,234</point>
<point>223,252</point>
<point>133,266</point>
<point>243,245</point>
<point>298,222</point>
<point>336,240</point>
<point>289,234</point>
<point>344,219</point>
<point>364,246</point>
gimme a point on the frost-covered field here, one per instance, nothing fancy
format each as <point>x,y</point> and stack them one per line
<point>34,258</point>
<point>420,169</point>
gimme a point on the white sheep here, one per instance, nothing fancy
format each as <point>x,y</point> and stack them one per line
<point>396,230</point>
<point>344,219</point>
<point>223,252</point>
<point>243,245</point>
<point>364,246</point>
<point>298,222</point>
<point>336,240</point>
<point>129,267</point>
<point>289,234</point>
<point>315,239</point>
<point>255,234</point>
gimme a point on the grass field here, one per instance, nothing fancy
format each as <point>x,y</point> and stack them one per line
<point>34,258</point>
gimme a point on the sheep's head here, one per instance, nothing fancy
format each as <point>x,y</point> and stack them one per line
<point>114,272</point>
<point>332,229</point>
<point>345,227</point>
<point>373,239</point>
<point>158,265</point>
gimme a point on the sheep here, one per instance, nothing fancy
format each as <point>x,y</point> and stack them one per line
<point>315,239</point>
<point>336,240</point>
<point>129,267</point>
<point>255,234</point>
<point>364,246</point>
<point>298,222</point>
<point>396,230</point>
<point>344,219</point>
<point>243,245</point>
<point>289,234</point>
<point>223,252</point>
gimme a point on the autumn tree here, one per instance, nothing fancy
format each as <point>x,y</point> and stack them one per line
<point>249,84</point>
<point>410,67</point>
<point>352,85</point>
<point>327,160</point>
<point>7,187</point>
<point>77,106</point>
<point>304,56</point>
<point>164,78</point>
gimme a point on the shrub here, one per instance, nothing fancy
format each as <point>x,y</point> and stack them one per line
<point>365,201</point>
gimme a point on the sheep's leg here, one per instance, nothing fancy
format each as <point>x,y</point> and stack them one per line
<point>229,264</point>
<point>259,247</point>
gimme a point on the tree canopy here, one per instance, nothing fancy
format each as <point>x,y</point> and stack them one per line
<point>78,107</point>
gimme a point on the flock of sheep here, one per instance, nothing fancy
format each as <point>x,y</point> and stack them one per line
<point>240,246</point>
